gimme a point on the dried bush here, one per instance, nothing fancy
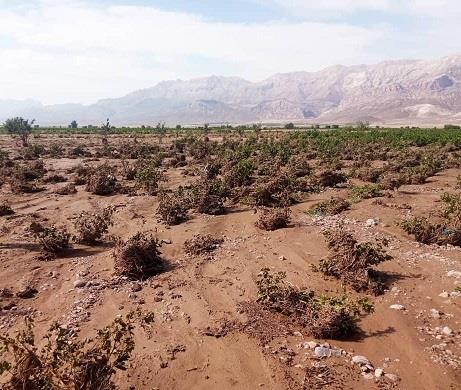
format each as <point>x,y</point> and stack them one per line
<point>322,316</point>
<point>64,363</point>
<point>277,191</point>
<point>54,179</point>
<point>239,174</point>
<point>332,206</point>
<point>352,262</point>
<point>429,233</point>
<point>329,178</point>
<point>172,207</point>
<point>139,257</point>
<point>273,219</point>
<point>52,239</point>
<point>66,189</point>
<point>101,180</point>
<point>5,209</point>
<point>202,244</point>
<point>91,226</point>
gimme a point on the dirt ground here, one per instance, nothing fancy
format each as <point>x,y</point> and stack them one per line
<point>201,338</point>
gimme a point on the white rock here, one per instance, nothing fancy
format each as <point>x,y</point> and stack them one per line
<point>379,372</point>
<point>397,307</point>
<point>447,331</point>
<point>79,283</point>
<point>392,377</point>
<point>371,222</point>
<point>322,352</point>
<point>435,313</point>
<point>454,274</point>
<point>360,360</point>
<point>444,294</point>
<point>367,375</point>
<point>310,344</point>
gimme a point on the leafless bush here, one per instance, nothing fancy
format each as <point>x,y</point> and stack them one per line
<point>202,244</point>
<point>352,262</point>
<point>273,219</point>
<point>172,207</point>
<point>52,240</point>
<point>102,180</point>
<point>139,257</point>
<point>91,226</point>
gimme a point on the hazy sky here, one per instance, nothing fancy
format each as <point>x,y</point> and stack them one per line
<point>60,51</point>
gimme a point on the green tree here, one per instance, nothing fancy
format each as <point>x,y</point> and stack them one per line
<point>19,127</point>
<point>289,126</point>
<point>73,124</point>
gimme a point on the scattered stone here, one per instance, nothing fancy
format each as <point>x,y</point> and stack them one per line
<point>392,377</point>
<point>444,294</point>
<point>435,313</point>
<point>79,283</point>
<point>371,222</point>
<point>282,258</point>
<point>379,372</point>
<point>447,331</point>
<point>397,307</point>
<point>26,293</point>
<point>322,352</point>
<point>360,360</point>
<point>454,274</point>
<point>310,344</point>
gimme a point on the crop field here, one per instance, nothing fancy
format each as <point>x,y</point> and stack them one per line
<point>230,259</point>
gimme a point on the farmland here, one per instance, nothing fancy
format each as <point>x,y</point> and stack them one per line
<point>248,258</point>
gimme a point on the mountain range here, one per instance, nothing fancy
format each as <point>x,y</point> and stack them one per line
<point>391,92</point>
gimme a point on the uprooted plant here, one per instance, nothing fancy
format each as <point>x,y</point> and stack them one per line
<point>442,227</point>
<point>273,218</point>
<point>331,206</point>
<point>64,363</point>
<point>352,262</point>
<point>92,225</point>
<point>173,207</point>
<point>202,244</point>
<point>322,316</point>
<point>138,257</point>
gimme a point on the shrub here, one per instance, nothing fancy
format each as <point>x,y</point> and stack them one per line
<point>19,127</point>
<point>64,363</point>
<point>91,226</point>
<point>322,316</point>
<point>139,257</point>
<point>5,209</point>
<point>431,233</point>
<point>239,174</point>
<point>367,191</point>
<point>273,219</point>
<point>202,244</point>
<point>208,196</point>
<point>52,239</point>
<point>149,177</point>
<point>55,179</point>
<point>172,207</point>
<point>329,178</point>
<point>102,180</point>
<point>352,262</point>
<point>66,189</point>
<point>332,206</point>
<point>56,150</point>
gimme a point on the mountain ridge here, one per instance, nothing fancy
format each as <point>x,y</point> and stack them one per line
<point>401,91</point>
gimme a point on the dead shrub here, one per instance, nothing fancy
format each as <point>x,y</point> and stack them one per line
<point>91,226</point>
<point>332,206</point>
<point>172,207</point>
<point>139,257</point>
<point>53,179</point>
<point>202,244</point>
<point>102,180</point>
<point>352,262</point>
<point>321,316</point>
<point>63,363</point>
<point>5,209</point>
<point>329,178</point>
<point>52,240</point>
<point>429,233</point>
<point>208,196</point>
<point>66,189</point>
<point>273,219</point>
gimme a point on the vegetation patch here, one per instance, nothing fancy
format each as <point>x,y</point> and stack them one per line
<point>332,206</point>
<point>322,316</point>
<point>91,226</point>
<point>202,244</point>
<point>273,218</point>
<point>352,262</point>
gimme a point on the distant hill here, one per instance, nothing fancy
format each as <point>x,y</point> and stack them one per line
<point>416,92</point>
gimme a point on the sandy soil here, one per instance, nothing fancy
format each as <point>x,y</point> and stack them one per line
<point>197,296</point>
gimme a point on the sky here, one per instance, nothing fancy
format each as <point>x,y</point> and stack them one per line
<point>60,51</point>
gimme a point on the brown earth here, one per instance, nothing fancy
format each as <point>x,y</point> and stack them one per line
<point>202,339</point>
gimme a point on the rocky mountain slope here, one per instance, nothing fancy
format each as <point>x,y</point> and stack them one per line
<point>417,92</point>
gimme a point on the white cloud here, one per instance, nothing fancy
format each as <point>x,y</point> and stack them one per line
<point>76,50</point>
